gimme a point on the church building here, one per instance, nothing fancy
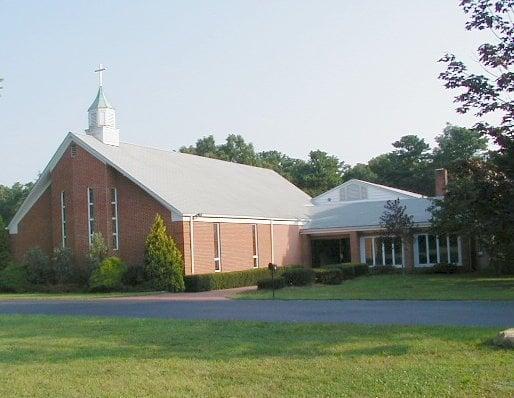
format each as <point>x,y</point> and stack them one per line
<point>223,216</point>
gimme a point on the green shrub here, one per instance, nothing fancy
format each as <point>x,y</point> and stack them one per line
<point>269,283</point>
<point>299,276</point>
<point>108,276</point>
<point>39,268</point>
<point>5,251</point>
<point>444,268</point>
<point>332,276</point>
<point>226,280</point>
<point>135,276</point>
<point>384,269</point>
<point>13,278</point>
<point>62,263</point>
<point>164,267</point>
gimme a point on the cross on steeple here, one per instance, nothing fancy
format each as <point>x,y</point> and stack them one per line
<point>99,71</point>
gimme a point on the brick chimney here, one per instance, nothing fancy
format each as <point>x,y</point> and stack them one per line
<point>441,182</point>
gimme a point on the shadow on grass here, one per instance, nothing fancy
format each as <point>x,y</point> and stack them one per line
<point>43,339</point>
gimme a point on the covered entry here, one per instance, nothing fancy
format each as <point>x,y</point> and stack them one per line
<point>330,251</point>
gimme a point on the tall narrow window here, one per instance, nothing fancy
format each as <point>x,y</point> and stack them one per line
<point>91,213</point>
<point>114,218</point>
<point>64,232</point>
<point>217,248</point>
<point>255,246</point>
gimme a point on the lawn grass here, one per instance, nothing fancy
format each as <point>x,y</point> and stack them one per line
<point>42,356</point>
<point>69,296</point>
<point>402,287</point>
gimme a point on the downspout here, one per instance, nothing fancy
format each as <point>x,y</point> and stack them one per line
<point>272,242</point>
<point>191,241</point>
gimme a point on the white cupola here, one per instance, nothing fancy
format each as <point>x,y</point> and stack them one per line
<point>102,116</point>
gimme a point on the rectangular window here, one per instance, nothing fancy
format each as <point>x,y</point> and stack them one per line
<point>453,243</point>
<point>388,251</point>
<point>255,239</point>
<point>114,218</point>
<point>422,249</point>
<point>432,249</point>
<point>383,250</point>
<point>217,248</point>
<point>368,251</point>
<point>64,233</point>
<point>397,251</point>
<point>91,213</point>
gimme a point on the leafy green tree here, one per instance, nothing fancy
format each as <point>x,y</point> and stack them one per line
<point>457,144</point>
<point>321,173</point>
<point>164,266</point>
<point>5,252</point>
<point>397,223</point>
<point>205,146</point>
<point>407,167</point>
<point>237,150</point>
<point>479,199</point>
<point>11,199</point>
<point>360,171</point>
<point>98,250</point>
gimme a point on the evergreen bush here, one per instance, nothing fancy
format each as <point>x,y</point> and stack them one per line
<point>299,276</point>
<point>13,278</point>
<point>164,267</point>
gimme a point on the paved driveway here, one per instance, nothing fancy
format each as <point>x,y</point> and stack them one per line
<point>469,313</point>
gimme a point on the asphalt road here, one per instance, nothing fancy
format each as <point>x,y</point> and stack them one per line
<point>465,313</point>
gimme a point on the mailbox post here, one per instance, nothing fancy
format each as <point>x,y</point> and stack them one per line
<point>272,267</point>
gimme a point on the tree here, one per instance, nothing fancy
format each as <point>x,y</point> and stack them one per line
<point>5,253</point>
<point>479,199</point>
<point>397,223</point>
<point>205,146</point>
<point>478,205</point>
<point>407,167</point>
<point>321,173</point>
<point>457,144</point>
<point>360,171</point>
<point>11,199</point>
<point>487,95</point>
<point>164,266</point>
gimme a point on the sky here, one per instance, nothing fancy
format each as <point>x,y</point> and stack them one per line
<point>347,77</point>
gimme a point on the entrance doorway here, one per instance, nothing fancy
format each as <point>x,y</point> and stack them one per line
<point>330,251</point>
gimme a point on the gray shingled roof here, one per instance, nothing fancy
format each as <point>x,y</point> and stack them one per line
<point>365,214</point>
<point>193,184</point>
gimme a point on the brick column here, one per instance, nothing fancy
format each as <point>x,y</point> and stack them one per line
<point>355,252</point>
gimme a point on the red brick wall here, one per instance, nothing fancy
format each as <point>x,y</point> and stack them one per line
<point>35,229</point>
<point>288,246</point>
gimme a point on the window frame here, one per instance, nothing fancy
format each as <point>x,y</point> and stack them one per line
<point>115,218</point>
<point>255,245</point>
<point>90,216</point>
<point>446,240</point>
<point>64,229</point>
<point>217,247</point>
<point>375,250</point>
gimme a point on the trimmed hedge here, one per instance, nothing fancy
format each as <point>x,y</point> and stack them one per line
<point>299,276</point>
<point>268,283</point>
<point>384,269</point>
<point>334,274</point>
<point>226,280</point>
<point>14,279</point>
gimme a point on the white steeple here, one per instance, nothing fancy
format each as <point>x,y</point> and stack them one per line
<point>102,116</point>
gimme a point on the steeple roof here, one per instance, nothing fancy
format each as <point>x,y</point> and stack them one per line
<point>100,100</point>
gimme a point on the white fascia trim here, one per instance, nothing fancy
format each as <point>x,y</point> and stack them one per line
<point>321,231</point>
<point>211,218</point>
<point>99,156</point>
<point>40,186</point>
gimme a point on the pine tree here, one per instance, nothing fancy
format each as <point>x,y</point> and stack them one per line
<point>164,266</point>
